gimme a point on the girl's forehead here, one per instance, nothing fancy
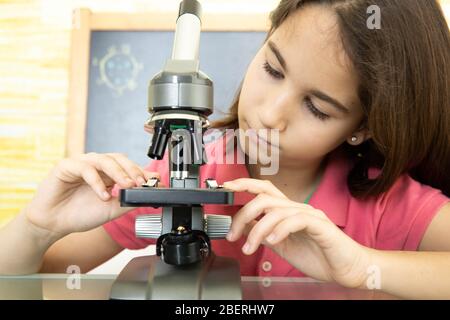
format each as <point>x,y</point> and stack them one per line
<point>313,28</point>
<point>311,45</point>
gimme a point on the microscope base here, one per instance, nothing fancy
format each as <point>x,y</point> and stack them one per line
<point>149,278</point>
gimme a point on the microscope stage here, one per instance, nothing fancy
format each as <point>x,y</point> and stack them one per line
<point>164,197</point>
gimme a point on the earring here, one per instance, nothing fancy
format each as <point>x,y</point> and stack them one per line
<point>354,139</point>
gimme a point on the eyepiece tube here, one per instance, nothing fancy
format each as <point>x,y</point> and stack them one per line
<point>187,34</point>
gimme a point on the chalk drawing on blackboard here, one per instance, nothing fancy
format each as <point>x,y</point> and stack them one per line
<point>118,69</point>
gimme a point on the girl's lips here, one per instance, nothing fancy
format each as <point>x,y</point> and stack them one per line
<point>255,138</point>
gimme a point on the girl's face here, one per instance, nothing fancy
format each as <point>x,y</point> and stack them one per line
<point>302,83</point>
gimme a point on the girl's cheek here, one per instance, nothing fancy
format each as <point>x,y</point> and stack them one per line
<point>255,86</point>
<point>254,92</point>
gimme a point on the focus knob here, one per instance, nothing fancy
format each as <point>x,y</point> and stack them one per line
<point>148,226</point>
<point>217,226</point>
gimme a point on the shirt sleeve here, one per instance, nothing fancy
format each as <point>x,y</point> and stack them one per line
<point>121,230</point>
<point>407,210</point>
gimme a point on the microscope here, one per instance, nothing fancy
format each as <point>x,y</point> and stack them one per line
<point>180,98</point>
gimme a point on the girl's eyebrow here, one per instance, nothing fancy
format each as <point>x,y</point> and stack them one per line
<point>277,54</point>
<point>322,96</point>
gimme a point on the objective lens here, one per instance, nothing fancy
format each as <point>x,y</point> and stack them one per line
<point>159,141</point>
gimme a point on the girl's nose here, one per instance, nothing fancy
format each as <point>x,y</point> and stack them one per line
<point>276,112</point>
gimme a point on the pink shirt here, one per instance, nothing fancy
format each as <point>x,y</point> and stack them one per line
<point>396,220</point>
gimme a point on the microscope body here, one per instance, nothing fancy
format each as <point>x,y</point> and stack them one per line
<point>185,267</point>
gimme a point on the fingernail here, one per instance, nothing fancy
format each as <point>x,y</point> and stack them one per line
<point>230,236</point>
<point>271,238</point>
<point>105,194</point>
<point>128,180</point>
<point>246,247</point>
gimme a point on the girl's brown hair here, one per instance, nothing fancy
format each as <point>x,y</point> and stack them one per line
<point>404,75</point>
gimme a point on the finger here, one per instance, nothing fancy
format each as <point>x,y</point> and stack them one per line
<point>254,186</point>
<point>265,226</point>
<point>313,226</point>
<point>93,179</point>
<point>249,227</point>
<point>149,128</point>
<point>110,167</point>
<point>72,170</point>
<point>107,180</point>
<point>132,169</point>
<point>259,205</point>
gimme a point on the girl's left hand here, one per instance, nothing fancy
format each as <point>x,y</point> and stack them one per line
<point>299,233</point>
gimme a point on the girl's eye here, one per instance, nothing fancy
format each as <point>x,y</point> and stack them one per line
<point>309,104</point>
<point>272,72</point>
<point>316,112</point>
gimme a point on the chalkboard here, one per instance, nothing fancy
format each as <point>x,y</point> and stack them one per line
<point>121,64</point>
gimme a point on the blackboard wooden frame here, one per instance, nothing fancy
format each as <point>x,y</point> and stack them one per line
<point>85,22</point>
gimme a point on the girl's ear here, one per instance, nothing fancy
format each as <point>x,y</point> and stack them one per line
<point>359,137</point>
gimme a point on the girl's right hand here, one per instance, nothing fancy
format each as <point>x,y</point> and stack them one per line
<point>76,195</point>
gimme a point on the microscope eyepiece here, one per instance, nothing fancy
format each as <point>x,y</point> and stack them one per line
<point>190,6</point>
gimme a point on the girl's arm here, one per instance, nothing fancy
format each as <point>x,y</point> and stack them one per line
<point>419,275</point>
<point>86,250</point>
<point>25,249</point>
<point>411,275</point>
<point>22,246</point>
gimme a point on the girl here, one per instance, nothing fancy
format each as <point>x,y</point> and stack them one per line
<point>362,187</point>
